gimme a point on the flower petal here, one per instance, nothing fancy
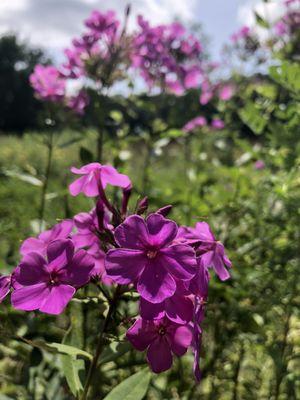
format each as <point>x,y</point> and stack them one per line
<point>155,283</point>
<point>29,298</point>
<point>141,334</point>
<point>32,244</point>
<point>32,270</point>
<point>220,269</point>
<point>110,175</point>
<point>124,265</point>
<point>162,231</point>
<point>76,187</point>
<point>57,299</point>
<point>60,253</point>
<point>132,233</point>
<point>151,311</point>
<point>180,261</point>
<point>5,284</point>
<point>78,271</point>
<point>182,339</point>
<point>179,309</point>
<point>159,355</point>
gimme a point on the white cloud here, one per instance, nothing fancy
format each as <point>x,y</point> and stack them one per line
<point>52,23</point>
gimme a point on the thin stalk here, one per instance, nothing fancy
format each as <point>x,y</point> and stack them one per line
<point>93,365</point>
<point>237,372</point>
<point>147,164</point>
<point>100,141</point>
<point>186,166</point>
<point>46,179</point>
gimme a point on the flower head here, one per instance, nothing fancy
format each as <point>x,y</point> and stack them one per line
<point>148,258</point>
<point>48,83</point>
<point>161,338</point>
<point>91,174</point>
<point>48,283</point>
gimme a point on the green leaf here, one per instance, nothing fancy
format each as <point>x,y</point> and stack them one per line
<point>58,348</point>
<point>261,21</point>
<point>23,177</point>
<point>114,351</point>
<point>253,118</point>
<point>133,388</point>
<point>287,75</point>
<point>86,156</point>
<point>72,369</point>
<point>70,142</point>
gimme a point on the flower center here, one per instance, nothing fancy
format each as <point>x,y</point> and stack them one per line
<point>151,253</point>
<point>53,279</point>
<point>162,331</point>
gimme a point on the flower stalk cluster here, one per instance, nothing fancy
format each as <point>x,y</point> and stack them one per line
<point>144,252</point>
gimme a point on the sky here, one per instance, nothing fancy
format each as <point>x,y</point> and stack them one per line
<point>51,24</point>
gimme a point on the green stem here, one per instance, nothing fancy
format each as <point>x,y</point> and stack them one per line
<point>46,179</point>
<point>93,365</point>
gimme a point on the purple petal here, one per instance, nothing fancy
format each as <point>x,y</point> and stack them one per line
<point>182,339</point>
<point>180,261</point>
<point>199,284</point>
<point>141,334</point>
<point>78,271</point>
<point>132,233</point>
<point>219,268</point>
<point>110,175</point>
<point>156,284</point>
<point>32,270</point>
<point>179,309</point>
<point>77,186</point>
<point>162,231</point>
<point>60,252</point>
<point>90,189</point>
<point>32,245</point>
<point>152,311</point>
<point>57,299</point>
<point>124,265</point>
<point>204,232</point>
<point>30,298</point>
<point>159,355</point>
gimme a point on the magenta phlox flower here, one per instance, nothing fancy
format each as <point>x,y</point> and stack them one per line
<point>197,122</point>
<point>199,310</point>
<point>161,338</point>
<point>148,258</point>
<point>48,283</point>
<point>48,83</point>
<point>226,92</point>
<point>217,123</point>
<point>39,244</point>
<point>89,181</point>
<point>79,102</point>
<point>199,284</point>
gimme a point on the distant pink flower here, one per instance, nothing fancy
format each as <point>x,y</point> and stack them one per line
<point>5,285</point>
<point>197,122</point>
<point>217,124</point>
<point>161,338</point>
<point>48,83</point>
<point>88,183</point>
<point>259,164</point>
<point>39,244</point>
<point>242,33</point>
<point>280,28</point>
<point>205,97</point>
<point>226,92</point>
<point>147,258</point>
<point>79,102</point>
<point>48,284</point>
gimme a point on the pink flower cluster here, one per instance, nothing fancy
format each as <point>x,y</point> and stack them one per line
<point>200,122</point>
<point>167,265</point>
<point>166,55</point>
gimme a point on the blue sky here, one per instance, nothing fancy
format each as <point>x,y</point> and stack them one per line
<point>52,23</point>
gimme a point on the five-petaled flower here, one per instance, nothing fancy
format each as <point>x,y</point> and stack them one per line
<point>161,338</point>
<point>49,284</point>
<point>92,173</point>
<point>148,258</point>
